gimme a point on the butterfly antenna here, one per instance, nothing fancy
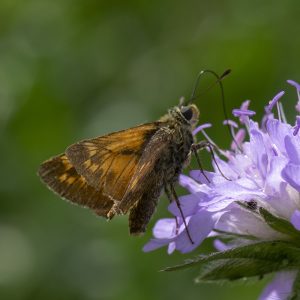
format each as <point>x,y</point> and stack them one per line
<point>218,81</point>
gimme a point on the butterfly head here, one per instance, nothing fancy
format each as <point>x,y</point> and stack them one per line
<point>190,113</point>
<point>184,114</point>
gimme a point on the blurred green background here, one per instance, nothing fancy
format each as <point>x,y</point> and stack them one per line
<point>77,69</point>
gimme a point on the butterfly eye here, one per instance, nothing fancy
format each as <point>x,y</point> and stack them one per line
<point>187,112</point>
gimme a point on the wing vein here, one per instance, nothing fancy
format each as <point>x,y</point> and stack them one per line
<point>109,166</point>
<point>130,161</point>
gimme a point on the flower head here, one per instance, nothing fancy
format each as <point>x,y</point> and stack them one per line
<point>250,199</point>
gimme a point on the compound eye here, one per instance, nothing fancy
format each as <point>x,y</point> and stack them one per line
<point>187,112</point>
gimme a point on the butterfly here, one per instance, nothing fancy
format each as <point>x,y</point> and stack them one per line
<point>125,172</point>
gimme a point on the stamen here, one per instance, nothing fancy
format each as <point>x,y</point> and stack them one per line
<point>209,139</point>
<point>265,119</point>
<point>243,115</point>
<point>294,84</point>
<point>269,107</point>
<point>230,123</point>
<point>278,112</point>
<point>297,86</point>
<point>297,125</point>
<point>245,106</point>
<point>239,138</point>
<point>201,127</point>
<point>243,112</point>
<point>282,113</point>
<point>212,143</point>
<point>215,162</point>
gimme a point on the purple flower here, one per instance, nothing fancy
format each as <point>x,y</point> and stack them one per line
<point>273,102</point>
<point>261,174</point>
<point>297,86</point>
<point>280,288</point>
<point>243,112</point>
<point>297,125</point>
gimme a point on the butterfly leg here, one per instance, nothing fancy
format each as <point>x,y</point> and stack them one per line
<point>195,148</point>
<point>201,145</point>
<point>169,196</point>
<point>173,196</point>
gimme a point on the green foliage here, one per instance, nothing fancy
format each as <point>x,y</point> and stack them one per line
<point>296,288</point>
<point>281,225</point>
<point>256,259</point>
<point>234,269</point>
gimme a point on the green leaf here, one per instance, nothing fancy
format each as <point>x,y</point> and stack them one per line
<point>296,288</point>
<point>236,268</point>
<point>280,225</point>
<point>281,254</point>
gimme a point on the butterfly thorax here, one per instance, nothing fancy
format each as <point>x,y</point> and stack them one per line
<point>178,151</point>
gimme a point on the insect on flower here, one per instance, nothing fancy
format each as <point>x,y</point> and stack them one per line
<point>126,171</point>
<point>253,218</point>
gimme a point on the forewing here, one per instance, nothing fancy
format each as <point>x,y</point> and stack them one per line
<point>109,162</point>
<point>150,170</point>
<point>61,177</point>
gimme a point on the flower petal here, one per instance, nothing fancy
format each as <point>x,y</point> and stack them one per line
<point>164,233</point>
<point>189,205</point>
<point>295,219</point>
<point>274,178</point>
<point>199,177</point>
<point>220,246</point>
<point>154,244</point>
<point>190,184</point>
<point>291,173</point>
<point>292,145</point>
<point>164,228</point>
<point>280,288</point>
<point>199,226</point>
<point>259,151</point>
<point>277,132</point>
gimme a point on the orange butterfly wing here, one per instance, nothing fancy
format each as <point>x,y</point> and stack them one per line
<point>109,162</point>
<point>62,178</point>
<point>98,173</point>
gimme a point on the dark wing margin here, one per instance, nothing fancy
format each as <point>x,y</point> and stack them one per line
<point>62,178</point>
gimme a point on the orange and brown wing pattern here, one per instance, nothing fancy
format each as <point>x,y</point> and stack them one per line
<point>109,162</point>
<point>61,177</point>
<point>149,172</point>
